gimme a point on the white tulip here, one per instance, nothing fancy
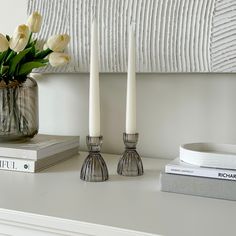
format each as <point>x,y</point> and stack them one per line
<point>22,29</point>
<point>20,38</point>
<point>45,46</point>
<point>58,59</point>
<point>34,22</point>
<point>4,44</point>
<point>57,43</point>
<point>18,42</point>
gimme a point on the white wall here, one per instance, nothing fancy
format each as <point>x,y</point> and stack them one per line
<point>172,108</point>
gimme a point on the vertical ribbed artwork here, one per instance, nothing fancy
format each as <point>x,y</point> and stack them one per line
<point>223,37</point>
<point>171,35</point>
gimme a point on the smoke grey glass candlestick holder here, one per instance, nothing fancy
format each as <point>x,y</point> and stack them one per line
<point>130,163</point>
<point>94,168</point>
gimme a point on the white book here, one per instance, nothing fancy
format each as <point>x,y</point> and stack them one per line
<point>39,147</point>
<point>23,165</point>
<point>181,168</point>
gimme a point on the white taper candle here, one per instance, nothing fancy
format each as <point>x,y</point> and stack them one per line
<point>131,85</point>
<point>94,95</point>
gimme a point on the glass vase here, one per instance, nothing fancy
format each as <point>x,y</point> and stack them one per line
<point>18,110</point>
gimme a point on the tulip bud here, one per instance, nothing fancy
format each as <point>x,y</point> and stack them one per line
<point>4,44</point>
<point>57,43</point>
<point>20,38</point>
<point>58,59</point>
<point>34,22</point>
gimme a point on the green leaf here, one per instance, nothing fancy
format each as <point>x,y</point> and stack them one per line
<point>42,60</point>
<point>4,69</point>
<point>30,55</point>
<point>10,56</point>
<point>43,54</point>
<point>16,60</point>
<point>6,53</point>
<point>26,68</point>
<point>8,37</point>
<point>2,55</point>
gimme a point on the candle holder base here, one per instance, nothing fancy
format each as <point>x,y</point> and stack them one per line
<point>130,163</point>
<point>94,168</point>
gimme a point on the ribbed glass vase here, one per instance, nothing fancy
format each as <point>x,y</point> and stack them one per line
<point>18,110</point>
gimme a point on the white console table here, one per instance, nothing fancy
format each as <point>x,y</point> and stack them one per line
<point>56,202</point>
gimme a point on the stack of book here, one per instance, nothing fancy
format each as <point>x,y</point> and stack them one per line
<point>203,169</point>
<point>38,153</point>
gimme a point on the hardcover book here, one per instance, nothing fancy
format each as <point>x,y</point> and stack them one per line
<point>181,168</point>
<point>198,186</point>
<point>24,165</point>
<point>39,147</point>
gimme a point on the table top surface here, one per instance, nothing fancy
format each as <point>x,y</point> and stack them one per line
<point>134,203</point>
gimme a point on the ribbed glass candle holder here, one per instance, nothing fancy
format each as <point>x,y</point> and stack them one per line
<point>94,168</point>
<point>130,163</point>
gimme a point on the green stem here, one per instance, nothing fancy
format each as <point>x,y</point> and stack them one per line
<point>30,37</point>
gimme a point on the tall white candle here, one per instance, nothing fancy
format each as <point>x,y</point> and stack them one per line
<point>131,85</point>
<point>94,96</point>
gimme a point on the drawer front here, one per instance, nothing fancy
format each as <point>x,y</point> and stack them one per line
<point>27,230</point>
<point>16,223</point>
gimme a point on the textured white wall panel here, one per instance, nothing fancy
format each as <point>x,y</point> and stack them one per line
<point>171,35</point>
<point>223,45</point>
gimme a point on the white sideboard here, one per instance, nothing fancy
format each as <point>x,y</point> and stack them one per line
<point>56,202</point>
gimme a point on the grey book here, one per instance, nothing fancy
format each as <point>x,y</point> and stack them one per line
<point>198,186</point>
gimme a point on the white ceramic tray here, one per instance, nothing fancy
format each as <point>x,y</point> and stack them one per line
<point>209,155</point>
